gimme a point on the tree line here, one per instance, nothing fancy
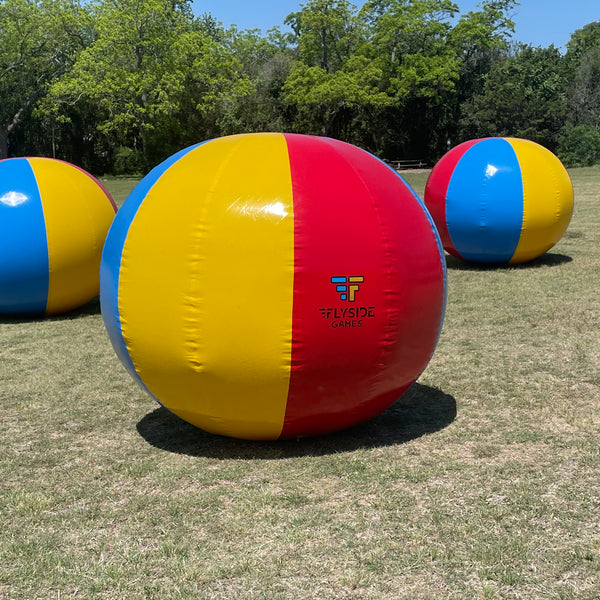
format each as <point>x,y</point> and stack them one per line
<point>116,86</point>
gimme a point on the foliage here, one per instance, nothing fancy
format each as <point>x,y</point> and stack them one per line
<point>39,42</point>
<point>127,161</point>
<point>147,66</point>
<point>579,146</point>
<point>582,41</point>
<point>111,83</point>
<point>523,96</point>
<point>328,32</point>
<point>584,91</point>
<point>266,61</point>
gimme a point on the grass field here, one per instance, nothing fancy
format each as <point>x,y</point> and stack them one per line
<point>483,481</point>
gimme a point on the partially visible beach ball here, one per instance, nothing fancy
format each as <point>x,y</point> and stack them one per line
<point>54,218</point>
<point>267,286</point>
<point>499,200</point>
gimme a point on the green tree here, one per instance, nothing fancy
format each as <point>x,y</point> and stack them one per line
<point>40,40</point>
<point>331,82</point>
<point>583,71</point>
<point>327,31</point>
<point>523,96</point>
<point>584,90</point>
<point>155,77</point>
<point>481,39</point>
<point>266,61</point>
<point>328,103</point>
<point>393,76</point>
<point>582,40</point>
<point>579,146</point>
<point>579,142</point>
<point>210,85</point>
<point>409,42</point>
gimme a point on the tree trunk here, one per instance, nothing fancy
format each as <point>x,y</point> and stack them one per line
<point>3,143</point>
<point>5,131</point>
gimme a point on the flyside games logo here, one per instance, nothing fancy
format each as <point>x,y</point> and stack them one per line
<point>347,314</point>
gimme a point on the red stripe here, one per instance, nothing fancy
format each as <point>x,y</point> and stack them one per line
<point>436,190</point>
<point>353,216</point>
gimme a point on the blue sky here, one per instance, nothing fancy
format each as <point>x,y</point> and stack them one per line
<point>538,22</point>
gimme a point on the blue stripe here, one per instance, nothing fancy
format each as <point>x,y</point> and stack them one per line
<point>110,266</point>
<point>338,280</point>
<point>24,265</point>
<point>484,203</point>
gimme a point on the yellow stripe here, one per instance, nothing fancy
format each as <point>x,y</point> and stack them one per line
<point>548,200</point>
<point>78,215</point>
<point>206,286</point>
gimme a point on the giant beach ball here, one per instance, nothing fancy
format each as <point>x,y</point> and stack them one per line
<point>267,286</point>
<point>499,200</point>
<point>54,218</point>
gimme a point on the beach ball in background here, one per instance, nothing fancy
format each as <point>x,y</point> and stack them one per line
<point>499,200</point>
<point>54,218</point>
<point>268,286</point>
